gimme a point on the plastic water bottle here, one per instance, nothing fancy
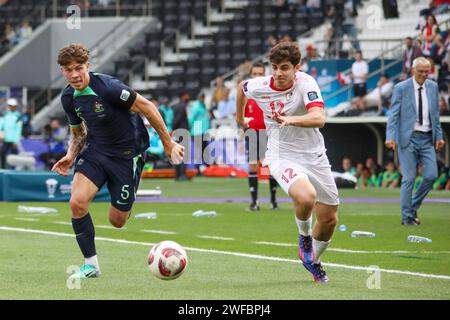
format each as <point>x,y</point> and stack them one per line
<point>147,215</point>
<point>342,227</point>
<point>412,238</point>
<point>366,234</point>
<point>201,213</point>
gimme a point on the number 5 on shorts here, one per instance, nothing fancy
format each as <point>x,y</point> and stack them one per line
<point>125,194</point>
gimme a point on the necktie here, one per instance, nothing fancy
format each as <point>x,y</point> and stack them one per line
<point>420,106</point>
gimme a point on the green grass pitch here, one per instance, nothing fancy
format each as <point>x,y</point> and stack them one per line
<point>234,255</point>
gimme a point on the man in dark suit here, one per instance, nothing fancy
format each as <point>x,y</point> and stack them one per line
<point>412,52</point>
<point>180,121</point>
<point>415,128</point>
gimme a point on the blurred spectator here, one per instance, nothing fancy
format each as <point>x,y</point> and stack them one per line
<point>390,9</point>
<point>360,71</point>
<point>444,109</point>
<point>166,112</point>
<point>56,138</point>
<point>312,6</point>
<point>443,178</point>
<point>24,31</point>
<point>434,71</point>
<point>412,51</point>
<point>10,37</point>
<point>199,124</point>
<point>378,97</point>
<point>27,130</point>
<point>347,166</point>
<point>373,166</point>
<point>217,94</point>
<point>440,46</point>
<point>227,106</point>
<point>428,34</point>
<point>155,151</point>
<point>10,131</point>
<point>348,25</point>
<point>391,177</point>
<point>180,121</point>
<point>440,6</point>
<point>367,178</point>
<point>271,41</point>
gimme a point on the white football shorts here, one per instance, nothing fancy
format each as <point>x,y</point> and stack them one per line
<point>315,167</point>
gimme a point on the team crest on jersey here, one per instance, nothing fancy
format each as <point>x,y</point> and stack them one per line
<point>312,95</point>
<point>98,107</point>
<point>288,96</point>
<point>124,95</point>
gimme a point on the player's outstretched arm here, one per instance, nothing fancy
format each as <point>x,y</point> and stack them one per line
<point>241,100</point>
<point>76,143</point>
<point>173,150</point>
<point>315,118</point>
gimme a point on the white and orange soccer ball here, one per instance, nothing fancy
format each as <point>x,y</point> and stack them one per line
<point>167,260</point>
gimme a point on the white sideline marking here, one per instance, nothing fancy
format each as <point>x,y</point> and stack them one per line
<point>159,231</point>
<point>108,227</point>
<point>63,222</point>
<point>215,237</point>
<point>351,251</point>
<point>238,254</point>
<point>26,219</point>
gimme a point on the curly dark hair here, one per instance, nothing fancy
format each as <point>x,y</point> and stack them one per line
<point>285,50</point>
<point>73,53</point>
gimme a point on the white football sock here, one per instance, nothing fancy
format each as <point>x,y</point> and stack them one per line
<point>319,247</point>
<point>304,227</point>
<point>92,261</point>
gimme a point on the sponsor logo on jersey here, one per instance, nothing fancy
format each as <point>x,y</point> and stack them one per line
<point>288,96</point>
<point>265,97</point>
<point>312,95</point>
<point>124,95</point>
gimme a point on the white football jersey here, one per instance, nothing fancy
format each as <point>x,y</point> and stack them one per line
<point>288,142</point>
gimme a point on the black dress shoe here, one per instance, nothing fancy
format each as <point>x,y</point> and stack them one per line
<point>415,217</point>
<point>409,222</point>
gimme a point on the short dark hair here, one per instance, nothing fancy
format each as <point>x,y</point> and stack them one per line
<point>258,65</point>
<point>285,50</point>
<point>73,53</point>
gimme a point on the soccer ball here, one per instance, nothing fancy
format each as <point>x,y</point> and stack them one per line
<point>167,260</point>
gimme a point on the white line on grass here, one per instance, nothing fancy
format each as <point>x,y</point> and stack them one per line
<point>349,250</point>
<point>159,231</point>
<point>63,222</point>
<point>215,237</point>
<point>238,254</point>
<point>26,219</point>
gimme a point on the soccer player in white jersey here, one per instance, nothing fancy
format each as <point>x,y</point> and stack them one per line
<point>294,112</point>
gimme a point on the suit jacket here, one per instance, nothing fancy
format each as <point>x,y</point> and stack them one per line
<point>403,115</point>
<point>416,52</point>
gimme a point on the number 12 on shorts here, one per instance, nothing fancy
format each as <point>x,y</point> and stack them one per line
<point>288,175</point>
